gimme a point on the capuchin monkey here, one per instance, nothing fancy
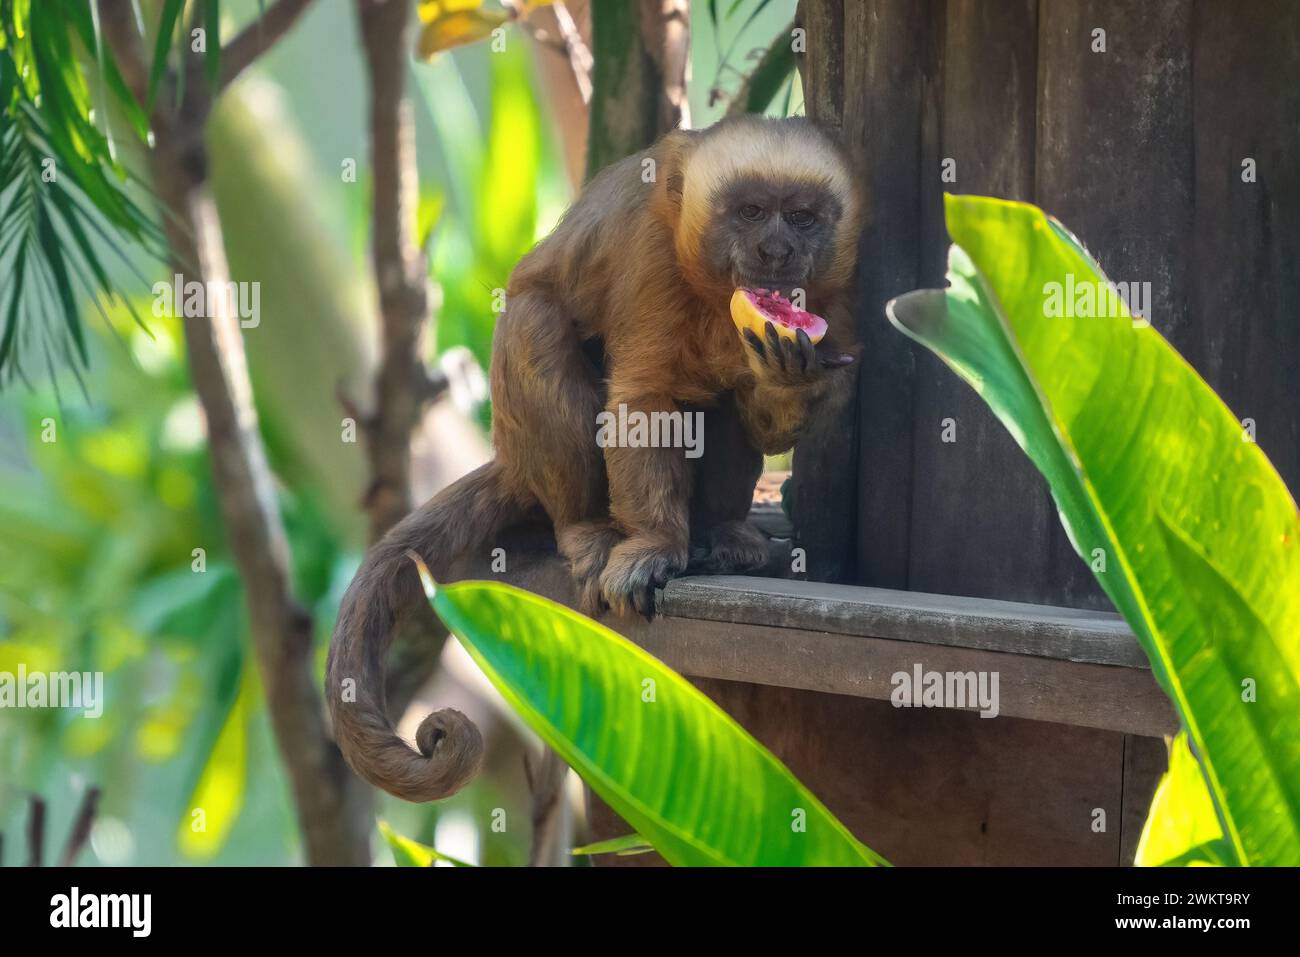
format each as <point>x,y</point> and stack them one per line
<point>625,303</point>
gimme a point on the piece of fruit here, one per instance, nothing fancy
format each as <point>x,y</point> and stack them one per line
<point>753,309</point>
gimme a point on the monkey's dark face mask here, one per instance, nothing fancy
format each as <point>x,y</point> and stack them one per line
<point>772,235</point>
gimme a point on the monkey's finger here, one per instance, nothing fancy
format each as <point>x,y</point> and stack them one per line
<point>774,343</point>
<point>835,362</point>
<point>790,354</point>
<point>807,351</point>
<point>643,600</point>
<point>754,342</point>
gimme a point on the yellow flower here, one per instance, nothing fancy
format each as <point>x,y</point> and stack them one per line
<point>452,23</point>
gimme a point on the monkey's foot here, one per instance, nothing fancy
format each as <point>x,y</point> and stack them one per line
<point>586,547</point>
<point>636,567</point>
<point>734,548</point>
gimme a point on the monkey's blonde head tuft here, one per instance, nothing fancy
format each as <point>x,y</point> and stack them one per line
<point>779,151</point>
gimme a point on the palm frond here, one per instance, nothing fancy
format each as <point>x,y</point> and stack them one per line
<point>68,208</point>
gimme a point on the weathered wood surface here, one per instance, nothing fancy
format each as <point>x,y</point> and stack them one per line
<point>1069,634</point>
<point>1029,686</point>
<point>802,667</point>
<point>1139,150</point>
<point>1086,669</point>
<point>945,787</point>
<point>1145,761</point>
<point>1243,332</point>
<point>963,517</point>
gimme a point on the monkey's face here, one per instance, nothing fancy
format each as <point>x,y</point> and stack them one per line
<point>772,234</point>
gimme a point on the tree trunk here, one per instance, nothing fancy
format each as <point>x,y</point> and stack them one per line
<point>639,77</point>
<point>334,809</point>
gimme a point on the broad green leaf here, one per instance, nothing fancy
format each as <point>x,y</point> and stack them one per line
<point>626,845</point>
<point>219,796</point>
<point>409,853</point>
<point>1151,471</point>
<point>674,765</point>
<point>507,201</point>
<point>769,75</point>
<point>1182,828</point>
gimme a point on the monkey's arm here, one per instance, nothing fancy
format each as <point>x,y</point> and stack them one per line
<point>649,498</point>
<point>649,487</point>
<point>789,381</point>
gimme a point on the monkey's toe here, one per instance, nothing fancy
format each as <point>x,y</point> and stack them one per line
<point>636,568</point>
<point>586,547</point>
<point>735,548</point>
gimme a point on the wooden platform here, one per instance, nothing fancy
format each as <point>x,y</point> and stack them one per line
<point>1062,775</point>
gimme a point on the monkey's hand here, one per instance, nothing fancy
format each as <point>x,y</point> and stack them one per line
<point>636,567</point>
<point>791,379</point>
<point>788,363</point>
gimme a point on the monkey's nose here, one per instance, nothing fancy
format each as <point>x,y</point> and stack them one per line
<point>774,252</point>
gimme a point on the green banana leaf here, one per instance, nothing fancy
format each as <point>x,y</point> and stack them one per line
<point>1182,828</point>
<point>625,846</point>
<point>409,853</point>
<point>1150,470</point>
<point>674,765</point>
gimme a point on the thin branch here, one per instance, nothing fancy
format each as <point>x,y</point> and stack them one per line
<point>35,831</point>
<point>403,384</point>
<point>400,269</point>
<point>551,831</point>
<point>258,37</point>
<point>566,78</point>
<point>333,806</point>
<point>666,29</point>
<point>569,43</point>
<point>81,827</point>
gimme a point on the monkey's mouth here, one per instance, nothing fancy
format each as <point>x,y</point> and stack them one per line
<point>785,285</point>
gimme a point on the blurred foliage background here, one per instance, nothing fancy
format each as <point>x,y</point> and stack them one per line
<point>100,529</point>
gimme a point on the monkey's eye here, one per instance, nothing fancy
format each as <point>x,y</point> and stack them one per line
<point>752,212</point>
<point>801,218</point>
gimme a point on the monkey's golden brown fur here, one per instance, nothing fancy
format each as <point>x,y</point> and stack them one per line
<point>626,302</point>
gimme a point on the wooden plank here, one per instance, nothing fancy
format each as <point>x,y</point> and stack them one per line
<point>822,72</point>
<point>1245,244</point>
<point>974,792</point>
<point>982,515</point>
<point>817,650</point>
<point>1114,163</point>
<point>1107,697</point>
<point>822,495</point>
<point>883,43</point>
<point>1067,634</point>
<point>1145,761</point>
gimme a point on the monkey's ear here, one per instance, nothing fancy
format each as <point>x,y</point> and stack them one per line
<point>674,152</point>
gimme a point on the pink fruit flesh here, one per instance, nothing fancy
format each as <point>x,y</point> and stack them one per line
<point>781,310</point>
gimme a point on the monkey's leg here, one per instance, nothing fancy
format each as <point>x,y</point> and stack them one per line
<point>725,477</point>
<point>649,492</point>
<point>547,393</point>
<point>586,547</point>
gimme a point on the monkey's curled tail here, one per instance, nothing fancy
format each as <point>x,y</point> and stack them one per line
<point>450,746</point>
